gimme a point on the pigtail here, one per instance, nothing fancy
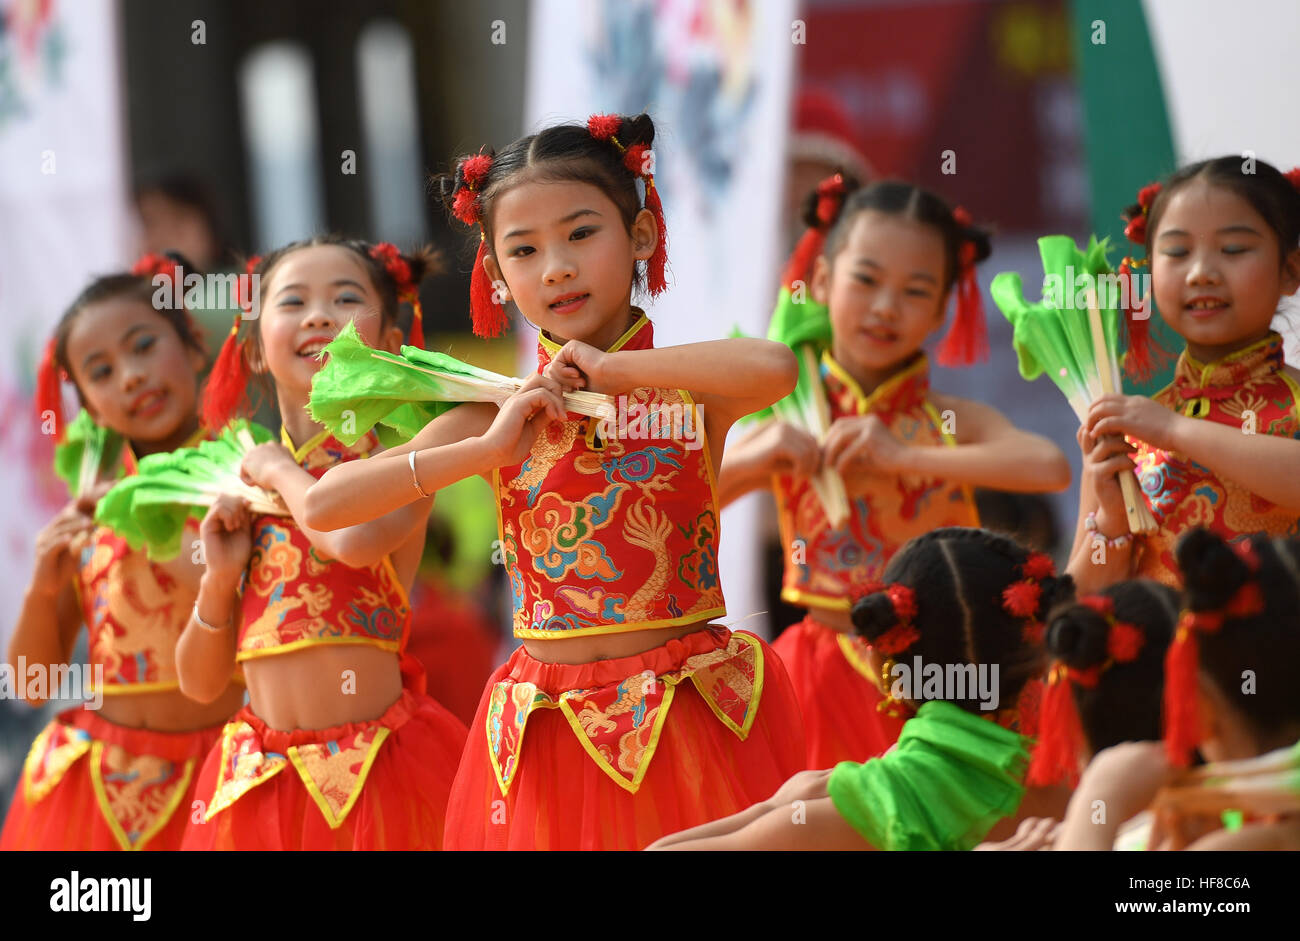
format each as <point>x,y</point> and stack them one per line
<point>227,384</point>
<point>406,272</point>
<point>822,207</point>
<point>633,137</point>
<point>1144,355</point>
<point>461,193</point>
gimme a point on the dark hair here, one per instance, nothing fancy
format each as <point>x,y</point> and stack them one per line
<point>1267,190</point>
<point>422,263</point>
<point>124,285</point>
<point>1267,643</point>
<point>561,153</point>
<point>896,198</point>
<point>958,576</point>
<point>193,193</point>
<point>1125,705</point>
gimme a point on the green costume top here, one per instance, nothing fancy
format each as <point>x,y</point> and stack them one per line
<point>950,778</point>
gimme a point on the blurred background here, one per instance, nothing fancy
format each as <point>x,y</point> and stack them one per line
<point>225,128</point>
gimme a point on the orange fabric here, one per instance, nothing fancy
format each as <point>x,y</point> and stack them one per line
<point>89,784</point>
<point>295,597</point>
<point>398,801</point>
<point>560,798</point>
<point>608,536</point>
<point>823,564</point>
<point>1183,494</point>
<point>837,698</point>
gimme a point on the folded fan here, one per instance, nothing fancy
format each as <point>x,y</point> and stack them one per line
<point>1075,344</point>
<point>89,452</point>
<point>150,507</point>
<point>361,388</point>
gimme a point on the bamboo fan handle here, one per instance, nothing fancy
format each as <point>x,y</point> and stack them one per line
<point>1139,515</point>
<point>828,484</point>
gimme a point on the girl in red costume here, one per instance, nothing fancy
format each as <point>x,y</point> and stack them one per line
<point>122,776</point>
<point>339,747</point>
<point>884,259</point>
<point>641,714</point>
<point>1216,447</point>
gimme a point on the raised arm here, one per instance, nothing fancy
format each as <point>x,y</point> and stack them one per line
<point>773,447</point>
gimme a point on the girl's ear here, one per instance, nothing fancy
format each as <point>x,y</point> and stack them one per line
<point>1291,273</point>
<point>821,280</point>
<point>198,359</point>
<point>645,235</point>
<point>495,277</point>
<point>392,339</point>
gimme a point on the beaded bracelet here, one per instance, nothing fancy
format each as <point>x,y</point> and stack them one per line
<point>1119,542</point>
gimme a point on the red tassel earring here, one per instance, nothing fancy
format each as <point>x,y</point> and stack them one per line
<point>967,341</point>
<point>49,391</point>
<point>489,315</point>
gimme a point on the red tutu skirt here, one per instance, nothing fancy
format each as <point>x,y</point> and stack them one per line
<point>621,752</point>
<point>89,784</point>
<point>377,785</point>
<point>837,696</point>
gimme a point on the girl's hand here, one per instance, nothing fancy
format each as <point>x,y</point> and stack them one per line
<point>227,534</point>
<point>788,449</point>
<point>1135,416</point>
<point>259,466</point>
<point>1033,834</point>
<point>863,444</point>
<point>1126,777</point>
<point>581,366</point>
<point>1103,459</point>
<point>521,417</point>
<point>57,549</point>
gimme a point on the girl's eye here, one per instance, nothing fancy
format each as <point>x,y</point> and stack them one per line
<point>99,372</point>
<point>144,343</point>
<point>918,292</point>
<point>520,251</point>
<point>864,279</point>
<point>1174,252</point>
<point>582,233</point>
<point>291,301</point>
<point>348,299</point>
<point>1235,249</point>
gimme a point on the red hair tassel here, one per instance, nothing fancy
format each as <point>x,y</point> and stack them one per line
<point>659,260</point>
<point>49,391</point>
<point>227,383</point>
<point>1056,755</point>
<point>417,321</point>
<point>1182,718</point>
<point>1143,355</point>
<point>967,341</point>
<point>489,317</point>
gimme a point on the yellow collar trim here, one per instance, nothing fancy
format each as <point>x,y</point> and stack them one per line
<point>1204,368</point>
<point>867,402</point>
<point>552,347</point>
<point>299,454</point>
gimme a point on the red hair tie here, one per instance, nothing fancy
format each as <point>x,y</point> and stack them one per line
<point>49,391</point>
<point>604,127</point>
<point>1144,355</point>
<point>399,269</point>
<point>967,340</point>
<point>830,199</point>
<point>1021,599</point>
<point>486,311</point>
<point>903,600</point>
<point>227,383</point>
<point>1182,718</point>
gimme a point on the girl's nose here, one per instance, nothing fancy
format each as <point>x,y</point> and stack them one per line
<point>559,268</point>
<point>1203,270</point>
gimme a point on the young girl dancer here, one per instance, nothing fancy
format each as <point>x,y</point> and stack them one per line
<point>884,259</point>
<point>609,535</point>
<point>1217,447</point>
<point>1240,616</point>
<point>318,620</point>
<point>959,603</point>
<point>121,777</point>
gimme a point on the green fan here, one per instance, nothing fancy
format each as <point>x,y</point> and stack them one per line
<point>1072,335</point>
<point>150,507</point>
<point>362,388</point>
<point>89,453</point>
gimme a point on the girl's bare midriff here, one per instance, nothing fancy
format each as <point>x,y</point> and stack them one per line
<point>323,686</point>
<point>170,710</point>
<point>576,650</point>
<point>836,619</point>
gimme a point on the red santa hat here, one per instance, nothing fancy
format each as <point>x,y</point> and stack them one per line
<point>823,131</point>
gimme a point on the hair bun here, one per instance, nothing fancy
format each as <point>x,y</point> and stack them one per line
<point>873,615</point>
<point>1055,590</point>
<point>1077,636</point>
<point>981,238</point>
<point>1212,572</point>
<point>637,130</point>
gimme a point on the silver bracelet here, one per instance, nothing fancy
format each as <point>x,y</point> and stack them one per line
<point>415,478</point>
<point>204,624</point>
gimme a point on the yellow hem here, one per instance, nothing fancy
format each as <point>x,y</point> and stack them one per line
<point>502,784</point>
<point>812,599</point>
<point>299,453</point>
<point>866,402</point>
<point>392,646</point>
<point>552,347</point>
<point>851,654</point>
<point>319,798</point>
<point>529,633</point>
<point>751,710</point>
<point>33,755</point>
<point>220,804</point>
<point>97,782</point>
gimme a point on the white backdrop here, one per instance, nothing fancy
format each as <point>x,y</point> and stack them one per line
<point>63,217</point>
<point>718,86</point>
